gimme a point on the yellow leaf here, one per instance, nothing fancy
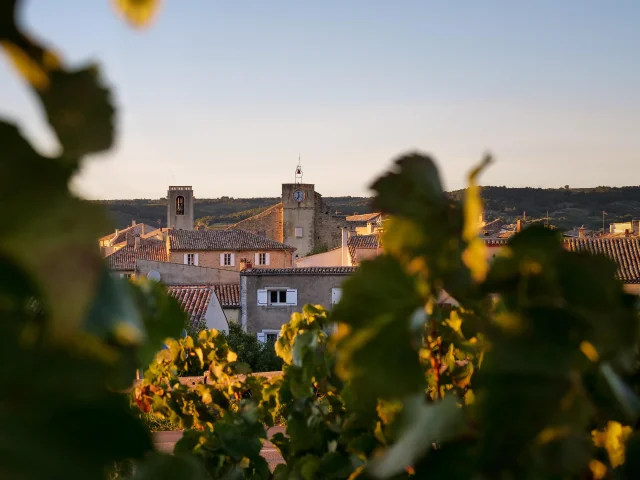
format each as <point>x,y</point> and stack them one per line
<point>137,12</point>
<point>128,334</point>
<point>36,74</point>
<point>551,433</point>
<point>475,255</point>
<point>244,463</point>
<point>598,469</point>
<point>613,438</point>
<point>589,351</point>
<point>232,357</point>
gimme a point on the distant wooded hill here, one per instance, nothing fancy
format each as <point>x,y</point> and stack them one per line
<point>567,207</point>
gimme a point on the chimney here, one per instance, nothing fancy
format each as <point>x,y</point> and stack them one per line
<point>518,226</point>
<point>612,228</point>
<point>133,223</point>
<point>635,225</point>
<point>626,232</point>
<point>345,250</point>
<point>131,240</point>
<point>142,228</point>
<point>136,242</point>
<point>581,232</point>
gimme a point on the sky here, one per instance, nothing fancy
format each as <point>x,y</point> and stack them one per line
<point>225,95</point>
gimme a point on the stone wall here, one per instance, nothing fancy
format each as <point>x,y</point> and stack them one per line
<point>298,215</point>
<point>211,259</point>
<point>267,223</point>
<point>328,227</point>
<point>180,274</point>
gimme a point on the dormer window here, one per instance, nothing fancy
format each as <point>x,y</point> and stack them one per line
<point>179,205</point>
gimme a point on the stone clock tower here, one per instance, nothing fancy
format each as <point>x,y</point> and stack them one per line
<point>299,214</point>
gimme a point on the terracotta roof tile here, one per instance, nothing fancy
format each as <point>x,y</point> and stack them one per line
<point>364,217</point>
<point>301,271</point>
<point>222,240</point>
<point>228,294</point>
<point>624,251</point>
<point>125,257</point>
<point>130,230</point>
<point>362,241</point>
<point>194,300</point>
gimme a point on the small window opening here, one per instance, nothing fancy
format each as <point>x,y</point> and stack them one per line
<point>179,205</point>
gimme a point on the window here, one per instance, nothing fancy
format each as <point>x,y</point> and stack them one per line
<point>191,259</point>
<point>226,259</point>
<point>179,205</point>
<point>278,297</point>
<point>126,275</point>
<point>298,232</point>
<point>268,336</point>
<point>262,259</point>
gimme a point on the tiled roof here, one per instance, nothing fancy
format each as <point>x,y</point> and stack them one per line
<point>364,217</point>
<point>222,240</point>
<point>362,241</point>
<point>624,251</point>
<point>125,257</point>
<point>131,230</point>
<point>228,294</point>
<point>194,300</point>
<point>301,271</point>
<point>264,213</point>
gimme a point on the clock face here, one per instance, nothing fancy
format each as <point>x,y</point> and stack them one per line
<point>298,195</point>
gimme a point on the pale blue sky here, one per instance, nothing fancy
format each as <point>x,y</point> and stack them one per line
<point>224,95</point>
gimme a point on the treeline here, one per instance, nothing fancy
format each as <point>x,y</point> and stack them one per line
<point>566,207</point>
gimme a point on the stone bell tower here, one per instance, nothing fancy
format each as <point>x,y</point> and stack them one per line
<point>180,208</point>
<point>298,214</point>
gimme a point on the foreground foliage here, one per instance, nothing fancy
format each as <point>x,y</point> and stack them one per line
<point>532,374</point>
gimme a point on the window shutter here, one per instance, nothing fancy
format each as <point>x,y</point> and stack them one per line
<point>222,259</point>
<point>257,259</point>
<point>336,293</point>
<point>292,297</point>
<point>186,258</point>
<point>267,259</point>
<point>233,259</point>
<point>195,259</point>
<point>262,337</point>
<point>262,297</point>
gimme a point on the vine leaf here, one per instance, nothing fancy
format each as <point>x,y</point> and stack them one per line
<point>376,335</point>
<point>422,425</point>
<point>37,73</point>
<point>79,109</point>
<point>475,255</point>
<point>53,236</point>
<point>137,12</point>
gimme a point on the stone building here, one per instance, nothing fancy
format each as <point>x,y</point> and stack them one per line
<point>302,220</point>
<point>268,297</point>
<point>227,249</point>
<point>180,208</point>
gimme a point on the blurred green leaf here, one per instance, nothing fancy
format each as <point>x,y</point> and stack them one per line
<point>422,426</point>
<point>377,333</point>
<point>79,109</point>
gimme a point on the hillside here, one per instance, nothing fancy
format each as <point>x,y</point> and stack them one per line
<point>567,207</point>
